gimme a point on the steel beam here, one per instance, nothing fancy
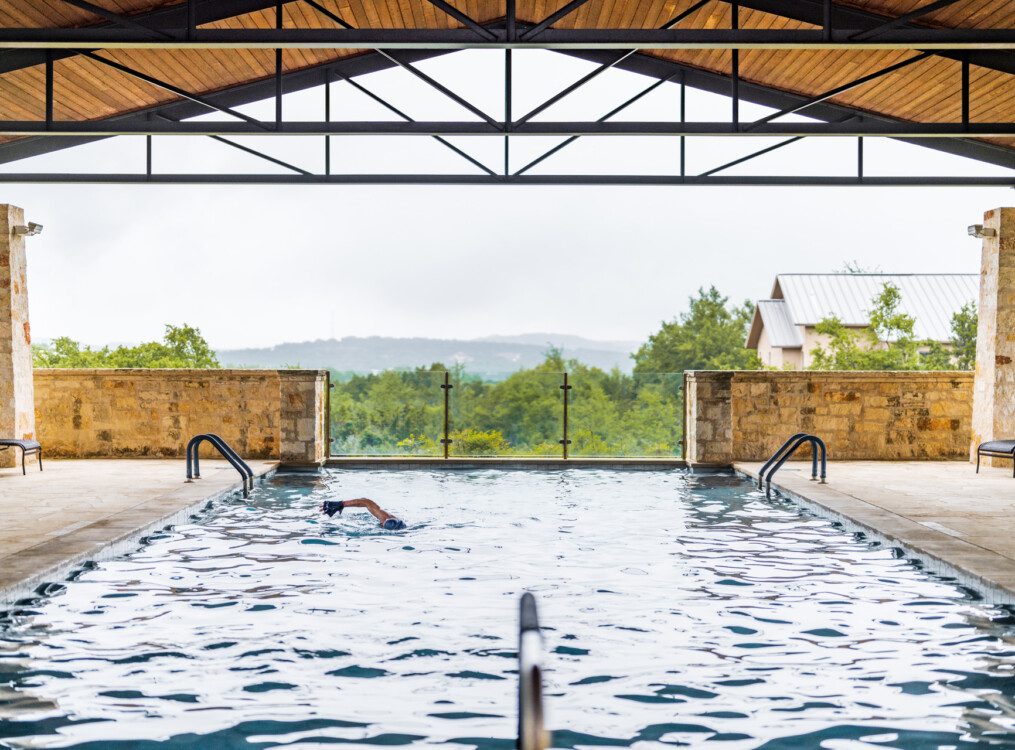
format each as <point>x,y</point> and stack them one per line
<point>766,96</point>
<point>176,16</point>
<point>855,126</point>
<point>486,179</point>
<point>828,15</point>
<point>231,97</point>
<point>563,39</point>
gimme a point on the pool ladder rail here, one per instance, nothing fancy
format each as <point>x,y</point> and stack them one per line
<point>532,734</point>
<point>194,465</point>
<point>788,448</point>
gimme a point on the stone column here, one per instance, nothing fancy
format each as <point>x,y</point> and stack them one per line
<point>994,384</point>
<point>17,398</point>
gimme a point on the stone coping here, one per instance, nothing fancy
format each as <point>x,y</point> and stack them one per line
<point>496,462</point>
<point>940,548</point>
<point>171,371</point>
<point>835,374</point>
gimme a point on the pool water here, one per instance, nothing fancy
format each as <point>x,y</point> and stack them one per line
<point>680,610</point>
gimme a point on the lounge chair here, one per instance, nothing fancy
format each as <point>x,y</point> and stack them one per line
<point>996,449</point>
<point>28,448</point>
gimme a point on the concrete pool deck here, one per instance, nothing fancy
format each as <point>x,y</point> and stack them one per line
<point>953,519</point>
<point>73,511</point>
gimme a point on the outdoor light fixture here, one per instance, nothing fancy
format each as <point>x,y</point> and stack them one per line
<point>977,231</point>
<point>28,231</point>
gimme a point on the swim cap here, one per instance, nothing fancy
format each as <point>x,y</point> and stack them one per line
<point>393,524</point>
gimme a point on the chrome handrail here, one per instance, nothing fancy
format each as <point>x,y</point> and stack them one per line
<point>194,463</point>
<point>817,449</point>
<point>775,457</point>
<point>532,734</point>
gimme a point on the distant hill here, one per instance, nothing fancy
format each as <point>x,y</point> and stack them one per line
<point>492,356</point>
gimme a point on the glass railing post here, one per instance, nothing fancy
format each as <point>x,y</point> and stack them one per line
<point>566,387</point>
<point>446,387</point>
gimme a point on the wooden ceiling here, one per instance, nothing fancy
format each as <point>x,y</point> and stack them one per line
<point>927,91</point>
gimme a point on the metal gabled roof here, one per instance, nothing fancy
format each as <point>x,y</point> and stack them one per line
<point>931,299</point>
<point>776,319</point>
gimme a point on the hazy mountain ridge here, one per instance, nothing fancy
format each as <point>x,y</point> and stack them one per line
<point>493,355</point>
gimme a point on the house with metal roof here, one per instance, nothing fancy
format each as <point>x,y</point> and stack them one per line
<point>783,328</point>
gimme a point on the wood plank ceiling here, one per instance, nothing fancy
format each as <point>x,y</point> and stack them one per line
<point>927,91</point>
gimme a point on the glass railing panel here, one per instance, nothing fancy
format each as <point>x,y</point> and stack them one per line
<point>391,413</point>
<point>615,415</point>
<point>518,414</point>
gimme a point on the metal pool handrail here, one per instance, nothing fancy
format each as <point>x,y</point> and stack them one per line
<point>775,457</point>
<point>531,733</point>
<point>194,463</point>
<point>817,447</point>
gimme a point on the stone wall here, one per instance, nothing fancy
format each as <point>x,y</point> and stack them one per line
<point>264,414</point>
<point>745,416</point>
<point>16,417</point>
<point>994,390</point>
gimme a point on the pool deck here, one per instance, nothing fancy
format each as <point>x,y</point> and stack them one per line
<point>953,519</point>
<point>73,511</point>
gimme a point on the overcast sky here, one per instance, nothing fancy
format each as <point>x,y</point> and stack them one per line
<point>254,266</point>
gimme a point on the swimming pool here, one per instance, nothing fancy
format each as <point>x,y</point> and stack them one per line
<point>679,610</point>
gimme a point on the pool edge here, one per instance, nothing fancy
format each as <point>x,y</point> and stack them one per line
<point>53,566</point>
<point>955,558</point>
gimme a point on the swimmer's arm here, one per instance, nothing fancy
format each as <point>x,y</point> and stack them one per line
<point>374,509</point>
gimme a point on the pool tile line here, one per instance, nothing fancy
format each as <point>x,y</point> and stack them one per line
<point>60,553</point>
<point>989,573</point>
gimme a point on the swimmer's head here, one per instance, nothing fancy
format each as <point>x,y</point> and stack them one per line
<point>393,524</point>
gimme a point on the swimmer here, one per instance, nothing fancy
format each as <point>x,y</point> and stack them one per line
<point>388,521</point>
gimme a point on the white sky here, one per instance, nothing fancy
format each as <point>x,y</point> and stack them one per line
<point>254,266</point>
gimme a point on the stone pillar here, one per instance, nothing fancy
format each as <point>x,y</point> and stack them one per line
<point>994,384</point>
<point>708,418</point>
<point>17,398</point>
<point>304,419</point>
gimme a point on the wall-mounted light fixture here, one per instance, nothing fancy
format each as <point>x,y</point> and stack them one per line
<point>30,230</point>
<point>979,232</point>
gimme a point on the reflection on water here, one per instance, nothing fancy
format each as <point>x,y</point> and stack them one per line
<point>681,610</point>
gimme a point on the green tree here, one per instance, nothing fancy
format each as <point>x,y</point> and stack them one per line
<point>964,324</point>
<point>181,346</point>
<point>709,336</point>
<point>886,343</point>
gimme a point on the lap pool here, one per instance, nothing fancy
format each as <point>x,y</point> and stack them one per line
<point>679,610</point>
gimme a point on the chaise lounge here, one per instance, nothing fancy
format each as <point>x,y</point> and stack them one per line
<point>996,449</point>
<point>28,448</point>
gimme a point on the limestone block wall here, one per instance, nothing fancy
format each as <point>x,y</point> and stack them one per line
<point>16,417</point>
<point>264,414</point>
<point>745,416</point>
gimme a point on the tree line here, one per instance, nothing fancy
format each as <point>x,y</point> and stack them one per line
<point>611,413</point>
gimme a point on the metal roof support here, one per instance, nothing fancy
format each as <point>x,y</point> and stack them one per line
<point>841,89</point>
<point>391,107</point>
<point>607,65</point>
<point>644,92</point>
<point>462,18</point>
<point>174,89</point>
<point>551,19</point>
<point>717,83</point>
<point>406,66</point>
<point>965,91</point>
<point>904,19</point>
<point>999,41</point>
<point>497,179</point>
<point>190,16</point>
<point>117,19</point>
<point>840,127</point>
<point>507,111</point>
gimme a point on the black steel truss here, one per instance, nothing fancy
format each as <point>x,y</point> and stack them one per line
<point>451,39</point>
<point>162,28</point>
